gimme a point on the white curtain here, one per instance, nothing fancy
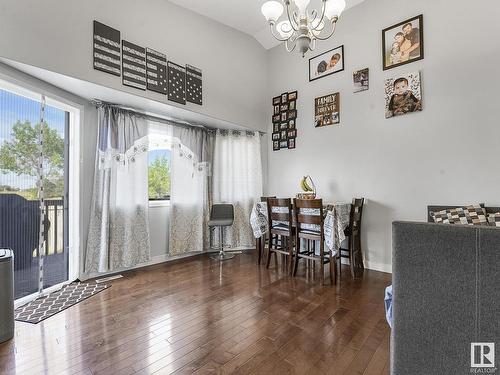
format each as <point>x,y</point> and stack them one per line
<point>119,228</point>
<point>237,179</point>
<point>192,151</point>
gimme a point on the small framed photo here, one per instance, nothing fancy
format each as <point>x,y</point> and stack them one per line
<point>283,135</point>
<point>292,114</point>
<point>403,94</point>
<point>276,136</point>
<point>276,127</point>
<point>403,42</point>
<point>276,145</point>
<point>284,98</point>
<point>291,104</point>
<point>360,79</point>
<point>284,144</point>
<point>284,116</point>
<point>291,143</point>
<point>291,124</point>
<point>284,126</point>
<point>327,63</point>
<point>292,133</point>
<point>292,95</point>
<point>277,100</point>
<point>284,108</point>
<point>276,109</point>
<point>276,118</point>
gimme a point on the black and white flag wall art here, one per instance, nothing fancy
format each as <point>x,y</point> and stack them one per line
<point>134,65</point>
<point>194,89</point>
<point>106,49</point>
<point>176,83</point>
<point>156,69</point>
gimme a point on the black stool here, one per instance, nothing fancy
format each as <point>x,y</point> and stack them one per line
<point>221,216</point>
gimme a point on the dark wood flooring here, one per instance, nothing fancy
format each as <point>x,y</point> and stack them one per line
<point>199,316</point>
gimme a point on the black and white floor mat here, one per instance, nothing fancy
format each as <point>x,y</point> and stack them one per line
<point>69,295</point>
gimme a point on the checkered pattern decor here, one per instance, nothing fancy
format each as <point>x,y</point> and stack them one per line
<point>470,215</point>
<point>494,219</point>
<point>44,307</point>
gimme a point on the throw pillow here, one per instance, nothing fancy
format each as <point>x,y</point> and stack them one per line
<point>469,215</point>
<point>494,219</point>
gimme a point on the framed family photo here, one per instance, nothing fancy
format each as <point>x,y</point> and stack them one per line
<point>403,43</point>
<point>361,80</point>
<point>327,63</point>
<point>403,94</point>
<point>327,110</point>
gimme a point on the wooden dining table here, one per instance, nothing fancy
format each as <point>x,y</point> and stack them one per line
<point>336,221</point>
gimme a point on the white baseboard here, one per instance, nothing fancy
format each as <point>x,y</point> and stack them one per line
<point>374,266</point>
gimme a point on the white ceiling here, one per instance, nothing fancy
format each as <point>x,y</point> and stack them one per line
<point>242,15</point>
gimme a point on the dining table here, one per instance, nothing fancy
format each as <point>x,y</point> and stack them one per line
<point>337,215</point>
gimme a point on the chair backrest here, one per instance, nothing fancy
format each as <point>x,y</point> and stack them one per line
<point>309,211</point>
<point>222,211</point>
<point>279,209</point>
<point>356,216</point>
<point>264,199</point>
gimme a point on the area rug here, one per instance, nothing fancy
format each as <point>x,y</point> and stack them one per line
<point>47,306</point>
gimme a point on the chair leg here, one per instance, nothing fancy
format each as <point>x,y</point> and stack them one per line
<point>296,260</point>
<point>351,258</point>
<point>322,264</point>
<point>290,255</point>
<point>258,246</point>
<point>269,252</point>
<point>333,270</point>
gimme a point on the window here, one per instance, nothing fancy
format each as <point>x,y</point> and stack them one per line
<point>159,174</point>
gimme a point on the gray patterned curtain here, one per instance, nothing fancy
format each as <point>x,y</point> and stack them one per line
<point>119,227</point>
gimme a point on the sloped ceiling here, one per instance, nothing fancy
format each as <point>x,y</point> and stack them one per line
<point>243,15</point>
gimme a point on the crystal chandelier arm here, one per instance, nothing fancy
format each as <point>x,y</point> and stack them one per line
<point>315,13</point>
<point>334,25</point>
<point>274,34</point>
<point>293,19</point>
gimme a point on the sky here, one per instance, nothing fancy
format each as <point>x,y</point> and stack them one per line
<point>13,108</point>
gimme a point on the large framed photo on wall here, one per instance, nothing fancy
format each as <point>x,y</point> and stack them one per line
<point>327,63</point>
<point>403,43</point>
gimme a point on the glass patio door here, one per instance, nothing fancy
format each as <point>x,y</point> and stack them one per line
<point>21,130</point>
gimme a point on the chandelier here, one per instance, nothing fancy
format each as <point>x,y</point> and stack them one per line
<point>302,28</point>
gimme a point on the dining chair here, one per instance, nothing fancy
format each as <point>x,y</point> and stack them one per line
<point>281,232</point>
<point>353,232</point>
<point>309,225</point>
<point>262,242</point>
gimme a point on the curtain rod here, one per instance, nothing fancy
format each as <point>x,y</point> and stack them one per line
<point>100,103</point>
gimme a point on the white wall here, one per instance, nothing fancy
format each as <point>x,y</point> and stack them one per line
<point>57,35</point>
<point>445,154</point>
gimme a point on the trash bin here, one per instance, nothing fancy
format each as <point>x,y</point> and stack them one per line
<point>6,294</point>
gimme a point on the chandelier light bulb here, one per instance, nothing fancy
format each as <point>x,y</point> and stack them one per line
<point>334,8</point>
<point>302,5</point>
<point>272,10</point>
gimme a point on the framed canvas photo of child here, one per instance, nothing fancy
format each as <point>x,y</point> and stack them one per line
<point>327,63</point>
<point>403,95</point>
<point>403,43</point>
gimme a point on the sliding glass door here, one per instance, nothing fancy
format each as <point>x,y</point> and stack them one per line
<point>23,135</point>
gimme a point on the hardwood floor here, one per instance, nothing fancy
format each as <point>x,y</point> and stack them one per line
<point>199,316</point>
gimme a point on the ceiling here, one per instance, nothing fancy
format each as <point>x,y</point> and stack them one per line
<point>242,15</point>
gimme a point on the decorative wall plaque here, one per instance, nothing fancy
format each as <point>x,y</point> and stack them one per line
<point>134,65</point>
<point>156,69</point>
<point>176,83</point>
<point>194,85</point>
<point>106,49</point>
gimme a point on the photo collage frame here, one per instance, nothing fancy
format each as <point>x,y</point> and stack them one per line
<point>284,121</point>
